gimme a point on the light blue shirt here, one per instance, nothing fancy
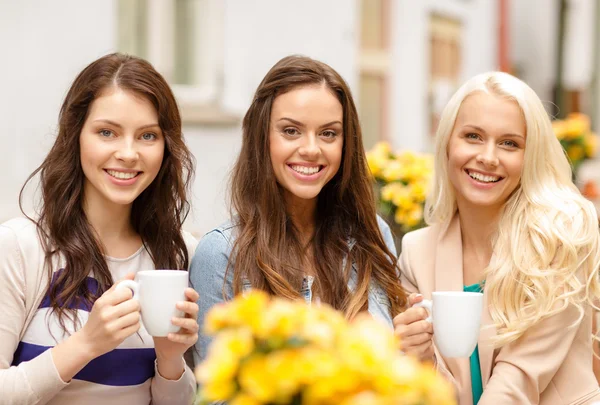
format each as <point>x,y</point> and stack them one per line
<point>209,265</point>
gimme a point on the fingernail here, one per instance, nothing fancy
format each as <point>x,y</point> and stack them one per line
<point>418,295</point>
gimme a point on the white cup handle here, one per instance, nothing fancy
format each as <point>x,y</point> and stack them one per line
<point>132,285</point>
<point>428,305</point>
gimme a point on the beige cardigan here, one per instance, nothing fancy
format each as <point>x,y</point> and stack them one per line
<point>551,364</point>
<point>23,283</point>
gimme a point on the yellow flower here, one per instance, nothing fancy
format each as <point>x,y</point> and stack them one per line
<point>255,379</point>
<point>377,158</point>
<point>560,128</point>
<point>244,399</point>
<point>576,125</point>
<point>591,144</point>
<point>575,153</point>
<point>217,391</point>
<point>394,171</point>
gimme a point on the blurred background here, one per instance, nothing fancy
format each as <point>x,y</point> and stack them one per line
<point>402,59</point>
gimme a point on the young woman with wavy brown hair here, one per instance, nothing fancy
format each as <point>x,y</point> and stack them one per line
<point>304,224</point>
<point>113,199</point>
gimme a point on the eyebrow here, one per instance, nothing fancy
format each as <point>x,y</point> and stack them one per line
<point>116,124</point>
<point>301,124</point>
<point>476,128</point>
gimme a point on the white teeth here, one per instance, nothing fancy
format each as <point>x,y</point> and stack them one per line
<point>306,170</point>
<point>122,175</point>
<point>483,178</point>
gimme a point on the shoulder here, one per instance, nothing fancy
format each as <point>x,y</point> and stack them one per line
<point>20,234</point>
<point>422,236</point>
<point>216,245</point>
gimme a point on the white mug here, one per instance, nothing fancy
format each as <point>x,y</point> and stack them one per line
<point>456,318</point>
<point>158,292</point>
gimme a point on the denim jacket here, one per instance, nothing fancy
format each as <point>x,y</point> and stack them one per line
<point>209,264</point>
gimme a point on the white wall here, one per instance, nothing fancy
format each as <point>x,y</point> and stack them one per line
<point>533,34</point>
<point>410,59</point>
<point>45,44</point>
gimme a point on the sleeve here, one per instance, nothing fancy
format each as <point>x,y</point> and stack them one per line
<point>409,282</point>
<point>207,277</point>
<point>524,368</point>
<point>31,382</point>
<point>173,392</point>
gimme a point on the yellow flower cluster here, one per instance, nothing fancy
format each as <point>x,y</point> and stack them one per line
<point>274,351</point>
<point>576,137</point>
<point>402,180</point>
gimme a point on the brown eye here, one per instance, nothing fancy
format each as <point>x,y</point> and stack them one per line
<point>291,131</point>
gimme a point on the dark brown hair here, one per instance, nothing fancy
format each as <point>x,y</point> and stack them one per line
<point>267,251</point>
<point>157,213</point>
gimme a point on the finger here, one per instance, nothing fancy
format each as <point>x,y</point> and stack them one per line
<point>414,298</point>
<point>186,339</point>
<point>189,308</point>
<point>191,295</point>
<point>415,328</point>
<point>416,340</point>
<point>127,321</point>
<point>410,316</point>
<point>128,276</point>
<point>128,331</point>
<point>115,297</point>
<point>420,351</point>
<point>126,307</point>
<point>188,324</point>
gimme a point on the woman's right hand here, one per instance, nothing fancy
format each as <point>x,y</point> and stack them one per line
<point>414,331</point>
<point>114,317</point>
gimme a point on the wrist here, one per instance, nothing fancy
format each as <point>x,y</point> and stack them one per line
<point>170,368</point>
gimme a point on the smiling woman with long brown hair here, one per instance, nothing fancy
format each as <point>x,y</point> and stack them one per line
<point>304,224</point>
<point>113,199</point>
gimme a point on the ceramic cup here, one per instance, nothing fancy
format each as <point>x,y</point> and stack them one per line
<point>158,292</point>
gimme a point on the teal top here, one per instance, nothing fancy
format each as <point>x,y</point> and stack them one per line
<point>476,384</point>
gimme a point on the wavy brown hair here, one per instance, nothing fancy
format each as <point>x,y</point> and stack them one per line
<point>157,213</point>
<point>267,251</point>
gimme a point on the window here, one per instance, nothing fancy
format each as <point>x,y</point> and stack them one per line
<point>445,62</point>
<point>374,68</point>
<point>183,39</point>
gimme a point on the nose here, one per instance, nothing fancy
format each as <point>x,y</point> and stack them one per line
<point>310,148</point>
<point>126,150</point>
<point>488,156</point>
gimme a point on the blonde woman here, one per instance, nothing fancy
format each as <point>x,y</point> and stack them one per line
<point>504,217</point>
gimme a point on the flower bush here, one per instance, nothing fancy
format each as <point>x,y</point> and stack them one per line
<point>576,138</point>
<point>402,181</point>
<point>274,351</point>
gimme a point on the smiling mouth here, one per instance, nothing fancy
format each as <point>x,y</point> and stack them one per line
<point>122,175</point>
<point>307,171</point>
<point>483,178</point>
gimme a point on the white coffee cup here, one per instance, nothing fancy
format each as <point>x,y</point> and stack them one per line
<point>456,318</point>
<point>158,292</point>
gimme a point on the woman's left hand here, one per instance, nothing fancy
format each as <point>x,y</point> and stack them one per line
<point>170,349</point>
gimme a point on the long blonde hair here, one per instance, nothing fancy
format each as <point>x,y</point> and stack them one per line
<point>546,248</point>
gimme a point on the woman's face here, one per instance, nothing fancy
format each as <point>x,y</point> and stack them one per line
<point>306,140</point>
<point>121,148</point>
<point>486,150</point>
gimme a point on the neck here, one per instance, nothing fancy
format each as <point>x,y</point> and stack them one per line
<point>477,226</point>
<point>302,214</point>
<point>111,222</point>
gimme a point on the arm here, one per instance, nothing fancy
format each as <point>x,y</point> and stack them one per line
<point>409,282</point>
<point>207,276</point>
<point>524,368</point>
<point>31,382</point>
